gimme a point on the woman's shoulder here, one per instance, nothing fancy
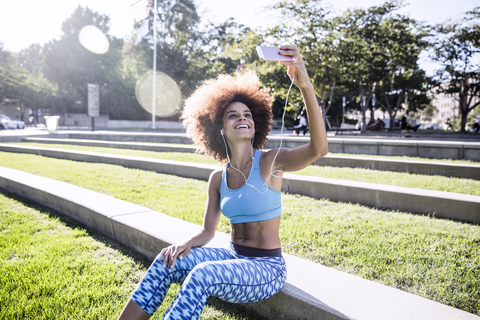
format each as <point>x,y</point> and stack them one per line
<point>216,177</point>
<point>267,157</point>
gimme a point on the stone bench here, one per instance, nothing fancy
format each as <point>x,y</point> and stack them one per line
<point>312,290</point>
<point>449,205</point>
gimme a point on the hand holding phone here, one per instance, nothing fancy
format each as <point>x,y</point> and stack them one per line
<point>271,54</point>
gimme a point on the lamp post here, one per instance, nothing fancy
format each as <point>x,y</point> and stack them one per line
<point>374,101</point>
<point>364,107</point>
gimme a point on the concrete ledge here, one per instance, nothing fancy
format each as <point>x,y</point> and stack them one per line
<point>449,205</point>
<point>441,204</point>
<point>179,168</point>
<point>468,171</point>
<point>20,137</point>
<point>180,138</point>
<point>384,147</point>
<point>117,144</point>
<point>324,294</point>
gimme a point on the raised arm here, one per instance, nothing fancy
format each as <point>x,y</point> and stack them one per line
<point>206,233</point>
<point>317,147</point>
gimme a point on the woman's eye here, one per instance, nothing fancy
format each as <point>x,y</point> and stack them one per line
<point>232,116</point>
<point>248,115</point>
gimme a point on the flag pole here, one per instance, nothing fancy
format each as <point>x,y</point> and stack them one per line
<point>154,86</point>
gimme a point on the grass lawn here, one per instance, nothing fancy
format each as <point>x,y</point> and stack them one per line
<point>50,268</point>
<point>434,258</point>
<point>437,183</point>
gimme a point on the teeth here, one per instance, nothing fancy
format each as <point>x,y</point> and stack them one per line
<point>242,126</point>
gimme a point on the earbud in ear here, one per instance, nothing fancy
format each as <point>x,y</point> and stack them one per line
<point>221,132</point>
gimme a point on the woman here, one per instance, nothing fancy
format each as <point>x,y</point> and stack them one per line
<point>229,118</point>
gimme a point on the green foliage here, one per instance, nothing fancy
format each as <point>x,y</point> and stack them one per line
<point>456,49</point>
<point>72,67</point>
<point>22,82</point>
<point>12,77</point>
<point>380,52</point>
<point>357,54</point>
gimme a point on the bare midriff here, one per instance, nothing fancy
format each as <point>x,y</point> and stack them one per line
<point>258,234</point>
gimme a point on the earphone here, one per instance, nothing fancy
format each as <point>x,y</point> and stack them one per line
<point>272,173</point>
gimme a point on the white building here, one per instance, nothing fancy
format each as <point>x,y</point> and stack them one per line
<point>447,107</point>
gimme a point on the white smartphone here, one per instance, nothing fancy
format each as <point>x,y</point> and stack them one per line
<point>271,54</point>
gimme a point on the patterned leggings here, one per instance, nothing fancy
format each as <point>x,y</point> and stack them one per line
<point>210,272</point>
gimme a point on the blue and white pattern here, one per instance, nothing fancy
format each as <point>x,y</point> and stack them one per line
<point>210,272</point>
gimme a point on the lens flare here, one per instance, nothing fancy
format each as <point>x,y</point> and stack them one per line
<point>93,39</point>
<point>167,94</point>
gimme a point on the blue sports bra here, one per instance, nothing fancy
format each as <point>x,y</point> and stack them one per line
<point>246,204</point>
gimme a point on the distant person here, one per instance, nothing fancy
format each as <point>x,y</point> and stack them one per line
<point>376,125</point>
<point>302,125</point>
<point>229,119</point>
<point>476,126</point>
<point>406,126</point>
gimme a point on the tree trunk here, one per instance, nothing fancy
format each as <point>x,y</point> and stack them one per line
<point>323,97</point>
<point>331,97</point>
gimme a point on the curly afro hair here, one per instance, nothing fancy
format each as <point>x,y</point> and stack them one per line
<point>203,111</point>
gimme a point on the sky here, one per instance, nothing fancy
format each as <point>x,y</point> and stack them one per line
<point>43,19</point>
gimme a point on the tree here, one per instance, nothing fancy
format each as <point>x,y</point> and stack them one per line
<point>456,48</point>
<point>357,54</point>
<point>379,54</point>
<point>178,41</point>
<point>12,77</point>
<point>72,67</point>
<point>404,89</point>
<point>37,92</point>
<point>23,83</point>
<point>310,25</point>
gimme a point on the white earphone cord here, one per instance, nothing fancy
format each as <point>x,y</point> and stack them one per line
<point>272,173</point>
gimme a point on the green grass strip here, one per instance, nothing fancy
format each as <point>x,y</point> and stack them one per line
<point>53,269</point>
<point>434,258</point>
<point>400,179</point>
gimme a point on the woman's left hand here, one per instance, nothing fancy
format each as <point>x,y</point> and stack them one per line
<point>296,69</point>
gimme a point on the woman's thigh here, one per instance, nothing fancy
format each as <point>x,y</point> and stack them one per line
<point>238,280</point>
<point>154,286</point>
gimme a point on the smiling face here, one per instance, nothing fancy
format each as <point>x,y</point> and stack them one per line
<point>238,121</point>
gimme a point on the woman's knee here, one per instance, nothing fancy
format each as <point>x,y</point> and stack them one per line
<point>203,274</point>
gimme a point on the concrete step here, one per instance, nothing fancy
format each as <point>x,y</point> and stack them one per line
<point>385,147</point>
<point>312,290</point>
<point>448,205</point>
<point>468,171</point>
<point>157,147</point>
